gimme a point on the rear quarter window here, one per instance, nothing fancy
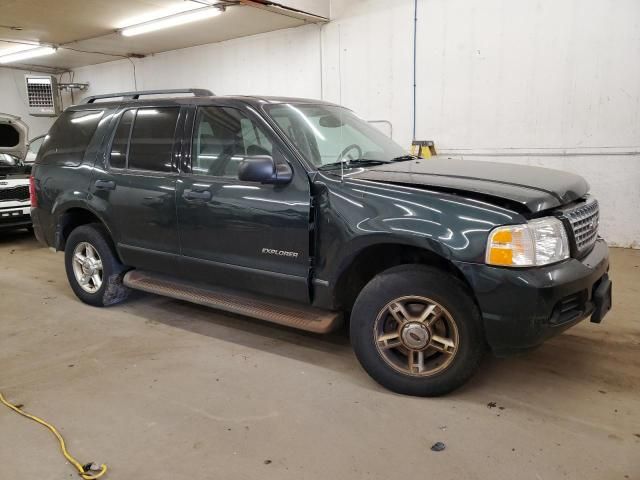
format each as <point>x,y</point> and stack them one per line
<point>69,137</point>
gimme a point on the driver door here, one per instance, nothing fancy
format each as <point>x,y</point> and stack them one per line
<point>240,234</point>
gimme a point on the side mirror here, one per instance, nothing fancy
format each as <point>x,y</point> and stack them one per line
<point>263,169</point>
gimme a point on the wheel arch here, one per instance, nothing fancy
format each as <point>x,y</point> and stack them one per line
<point>72,217</point>
<point>373,259</point>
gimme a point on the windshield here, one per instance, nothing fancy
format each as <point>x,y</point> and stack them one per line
<point>329,135</point>
<point>35,144</point>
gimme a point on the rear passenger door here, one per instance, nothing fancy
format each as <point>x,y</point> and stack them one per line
<point>138,187</point>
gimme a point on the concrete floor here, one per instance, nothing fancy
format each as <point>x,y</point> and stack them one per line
<point>161,389</point>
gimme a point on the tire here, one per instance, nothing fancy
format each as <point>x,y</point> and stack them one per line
<point>446,348</point>
<point>110,290</point>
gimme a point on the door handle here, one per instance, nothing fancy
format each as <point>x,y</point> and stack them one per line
<point>197,194</point>
<point>105,185</point>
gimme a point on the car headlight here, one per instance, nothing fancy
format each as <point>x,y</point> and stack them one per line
<point>538,242</point>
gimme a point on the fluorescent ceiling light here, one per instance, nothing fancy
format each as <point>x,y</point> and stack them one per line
<point>25,54</point>
<point>171,21</point>
<point>19,47</point>
<point>171,9</point>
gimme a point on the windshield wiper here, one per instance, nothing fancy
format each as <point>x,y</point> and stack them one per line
<point>348,164</point>
<point>403,158</point>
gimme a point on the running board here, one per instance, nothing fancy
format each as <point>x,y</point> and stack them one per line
<point>278,311</point>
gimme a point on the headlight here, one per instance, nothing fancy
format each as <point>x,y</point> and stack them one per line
<point>538,242</point>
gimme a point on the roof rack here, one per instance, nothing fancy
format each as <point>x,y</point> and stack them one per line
<point>197,92</point>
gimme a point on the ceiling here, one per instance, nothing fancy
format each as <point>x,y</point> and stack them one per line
<point>86,30</point>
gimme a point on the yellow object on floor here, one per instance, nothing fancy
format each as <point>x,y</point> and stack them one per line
<point>423,148</point>
<point>86,472</point>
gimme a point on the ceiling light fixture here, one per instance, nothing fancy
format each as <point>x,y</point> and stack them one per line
<point>25,54</point>
<point>17,47</point>
<point>172,21</point>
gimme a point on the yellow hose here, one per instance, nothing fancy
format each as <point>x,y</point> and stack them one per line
<point>81,471</point>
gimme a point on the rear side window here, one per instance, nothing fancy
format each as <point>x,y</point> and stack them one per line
<point>118,156</point>
<point>69,137</point>
<point>151,144</point>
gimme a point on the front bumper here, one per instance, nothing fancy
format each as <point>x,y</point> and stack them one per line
<point>14,217</point>
<point>521,308</point>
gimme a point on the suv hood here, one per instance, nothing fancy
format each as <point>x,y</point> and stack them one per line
<point>534,188</point>
<point>13,135</point>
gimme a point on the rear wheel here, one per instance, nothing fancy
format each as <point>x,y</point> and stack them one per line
<point>93,269</point>
<point>417,331</point>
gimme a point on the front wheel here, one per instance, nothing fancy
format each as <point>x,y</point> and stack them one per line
<point>417,331</point>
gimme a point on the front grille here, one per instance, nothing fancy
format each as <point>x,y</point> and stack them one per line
<point>584,221</point>
<point>15,193</point>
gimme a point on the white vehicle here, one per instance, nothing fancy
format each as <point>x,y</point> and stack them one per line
<point>34,146</point>
<point>15,207</point>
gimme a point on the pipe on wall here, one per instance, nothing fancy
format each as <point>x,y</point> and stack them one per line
<point>415,49</point>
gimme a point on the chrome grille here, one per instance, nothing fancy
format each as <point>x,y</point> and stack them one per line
<point>20,192</point>
<point>584,221</point>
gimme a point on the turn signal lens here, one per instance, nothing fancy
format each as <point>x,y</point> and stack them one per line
<point>539,242</point>
<point>503,236</point>
<point>501,256</point>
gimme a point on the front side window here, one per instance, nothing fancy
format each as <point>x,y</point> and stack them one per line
<point>151,144</point>
<point>326,134</point>
<point>223,137</point>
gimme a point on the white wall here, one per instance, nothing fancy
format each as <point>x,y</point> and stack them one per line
<point>546,82</point>
<point>316,7</point>
<point>554,83</point>
<point>285,62</point>
<point>13,100</point>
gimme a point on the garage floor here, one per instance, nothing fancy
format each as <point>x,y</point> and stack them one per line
<point>161,389</point>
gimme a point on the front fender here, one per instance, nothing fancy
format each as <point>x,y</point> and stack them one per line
<point>352,215</point>
<point>357,245</point>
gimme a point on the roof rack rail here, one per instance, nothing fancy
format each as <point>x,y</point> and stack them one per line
<point>197,92</point>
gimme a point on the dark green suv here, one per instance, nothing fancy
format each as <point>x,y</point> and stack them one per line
<point>300,213</point>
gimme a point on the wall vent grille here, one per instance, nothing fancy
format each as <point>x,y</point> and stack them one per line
<point>42,95</point>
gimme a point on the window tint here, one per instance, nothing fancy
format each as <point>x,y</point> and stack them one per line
<point>223,138</point>
<point>151,144</point>
<point>118,157</point>
<point>69,136</point>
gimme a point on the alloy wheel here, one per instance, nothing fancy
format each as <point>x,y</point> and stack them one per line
<point>87,267</point>
<point>416,336</point>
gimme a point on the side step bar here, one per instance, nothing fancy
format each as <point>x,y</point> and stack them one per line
<point>278,311</point>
